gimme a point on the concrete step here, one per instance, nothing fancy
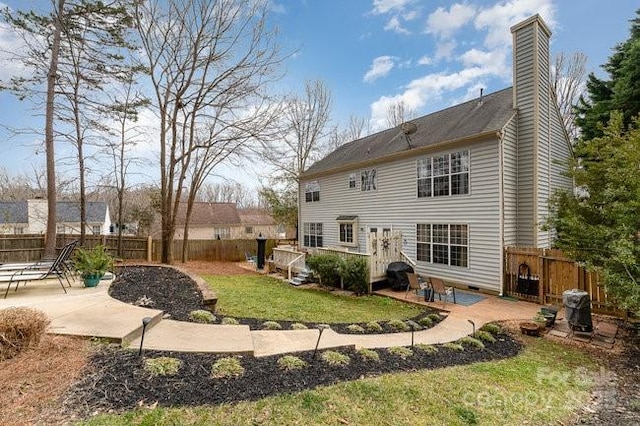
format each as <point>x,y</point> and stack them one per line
<point>170,335</point>
<point>295,282</point>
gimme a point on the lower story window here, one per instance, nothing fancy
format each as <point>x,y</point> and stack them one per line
<point>346,232</point>
<point>443,244</point>
<point>223,233</point>
<point>96,229</point>
<point>312,233</point>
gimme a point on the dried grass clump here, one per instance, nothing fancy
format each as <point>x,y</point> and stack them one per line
<point>20,328</point>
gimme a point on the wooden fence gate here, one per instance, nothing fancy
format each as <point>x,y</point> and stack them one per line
<point>543,275</point>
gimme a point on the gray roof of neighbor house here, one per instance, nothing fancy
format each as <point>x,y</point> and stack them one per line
<point>66,211</point>
<point>69,211</point>
<point>209,214</point>
<point>458,122</point>
<point>13,212</point>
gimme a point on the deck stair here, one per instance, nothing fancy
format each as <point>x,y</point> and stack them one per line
<point>301,277</point>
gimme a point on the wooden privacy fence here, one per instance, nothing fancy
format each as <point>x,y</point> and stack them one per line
<point>29,248</point>
<point>214,250</point>
<point>543,275</point>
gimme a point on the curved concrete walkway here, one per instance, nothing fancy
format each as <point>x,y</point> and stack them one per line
<point>91,312</point>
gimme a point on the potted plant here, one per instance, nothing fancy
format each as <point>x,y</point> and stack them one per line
<point>92,264</point>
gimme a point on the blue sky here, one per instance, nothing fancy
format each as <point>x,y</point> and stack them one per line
<point>370,53</point>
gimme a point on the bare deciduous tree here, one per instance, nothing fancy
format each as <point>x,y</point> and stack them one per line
<point>399,113</point>
<point>305,120</point>
<point>568,83</point>
<point>357,128</point>
<point>207,60</point>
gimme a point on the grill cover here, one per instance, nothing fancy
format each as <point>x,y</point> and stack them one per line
<point>397,275</point>
<point>577,306</point>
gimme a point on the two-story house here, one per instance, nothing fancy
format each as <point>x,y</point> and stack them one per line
<point>459,184</point>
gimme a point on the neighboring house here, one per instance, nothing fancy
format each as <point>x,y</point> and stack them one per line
<point>459,184</point>
<point>30,217</point>
<point>223,221</point>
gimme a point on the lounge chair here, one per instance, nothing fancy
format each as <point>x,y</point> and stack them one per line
<point>33,274</point>
<point>441,289</point>
<point>64,264</point>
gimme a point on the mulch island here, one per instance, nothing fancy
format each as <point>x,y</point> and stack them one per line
<point>118,379</point>
<point>176,294</point>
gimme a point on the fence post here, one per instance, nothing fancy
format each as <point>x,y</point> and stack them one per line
<point>149,249</point>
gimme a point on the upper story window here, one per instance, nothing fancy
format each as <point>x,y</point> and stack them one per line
<point>368,180</point>
<point>443,175</point>
<point>353,181</point>
<point>312,191</point>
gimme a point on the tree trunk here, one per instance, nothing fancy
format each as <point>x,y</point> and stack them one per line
<point>50,238</point>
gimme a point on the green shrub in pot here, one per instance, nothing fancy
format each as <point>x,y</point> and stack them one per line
<point>92,264</point>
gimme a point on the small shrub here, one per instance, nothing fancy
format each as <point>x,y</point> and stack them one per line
<point>435,317</point>
<point>290,362</point>
<point>327,267</point>
<point>485,336</point>
<point>227,367</point>
<point>426,322</point>
<point>229,321</point>
<point>401,351</point>
<point>374,327</point>
<point>355,275</point>
<point>413,325</point>
<point>20,329</point>
<point>162,366</point>
<point>355,328</point>
<point>471,341</point>
<point>369,354</point>
<point>202,316</point>
<point>457,347</point>
<point>398,325</point>
<point>298,326</point>
<point>429,349</point>
<point>271,325</point>
<point>491,328</point>
<point>335,358</point>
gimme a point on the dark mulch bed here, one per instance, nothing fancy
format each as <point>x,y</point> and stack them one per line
<point>176,294</point>
<point>117,380</point>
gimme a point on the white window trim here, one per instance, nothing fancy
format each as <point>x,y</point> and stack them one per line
<point>306,230</point>
<point>448,244</point>
<point>372,183</point>
<point>450,174</point>
<point>312,188</point>
<point>354,226</point>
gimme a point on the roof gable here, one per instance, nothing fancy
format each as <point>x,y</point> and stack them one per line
<point>458,122</point>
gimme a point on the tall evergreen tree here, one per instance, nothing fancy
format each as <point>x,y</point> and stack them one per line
<point>620,92</point>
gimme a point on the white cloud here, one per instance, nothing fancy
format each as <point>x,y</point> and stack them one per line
<point>493,61</point>
<point>425,60</point>
<point>444,23</point>
<point>444,49</point>
<point>394,25</point>
<point>380,67</point>
<point>498,19</point>
<point>380,7</point>
<point>276,7</point>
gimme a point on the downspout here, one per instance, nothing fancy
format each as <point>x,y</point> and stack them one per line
<point>500,135</point>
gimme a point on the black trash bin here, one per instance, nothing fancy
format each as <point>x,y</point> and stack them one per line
<point>577,306</point>
<point>397,275</point>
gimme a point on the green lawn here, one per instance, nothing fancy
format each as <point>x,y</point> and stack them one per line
<point>540,386</point>
<point>268,298</point>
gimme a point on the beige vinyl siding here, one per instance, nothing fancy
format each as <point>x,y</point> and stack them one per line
<point>543,145</point>
<point>395,205</point>
<point>510,183</point>
<point>524,93</point>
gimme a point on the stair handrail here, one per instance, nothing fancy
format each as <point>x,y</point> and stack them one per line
<point>407,259</point>
<point>290,264</point>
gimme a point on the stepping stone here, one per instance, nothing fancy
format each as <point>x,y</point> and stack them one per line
<point>559,333</point>
<point>606,329</point>
<point>603,344</point>
<point>582,336</point>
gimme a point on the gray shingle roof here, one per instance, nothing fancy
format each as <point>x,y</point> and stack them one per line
<point>457,122</point>
<point>13,212</point>
<point>69,211</point>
